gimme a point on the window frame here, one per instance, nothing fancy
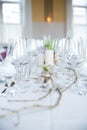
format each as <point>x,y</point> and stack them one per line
<point>1,12</point>
<point>79,6</point>
<point>79,29</point>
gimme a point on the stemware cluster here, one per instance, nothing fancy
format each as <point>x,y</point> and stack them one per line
<point>73,53</point>
<point>24,54</point>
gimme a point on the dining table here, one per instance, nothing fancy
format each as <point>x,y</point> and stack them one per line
<point>59,106</point>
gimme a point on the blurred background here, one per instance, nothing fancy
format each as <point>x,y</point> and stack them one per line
<point>36,18</point>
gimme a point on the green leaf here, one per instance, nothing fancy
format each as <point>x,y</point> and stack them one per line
<point>50,43</point>
<point>45,68</point>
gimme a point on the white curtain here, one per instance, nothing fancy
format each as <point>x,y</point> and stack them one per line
<point>8,31</point>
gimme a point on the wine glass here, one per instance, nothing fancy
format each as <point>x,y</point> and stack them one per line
<point>72,52</point>
<point>6,68</point>
<point>7,75</point>
<point>2,52</point>
<point>33,54</point>
<point>20,59</point>
<point>9,88</point>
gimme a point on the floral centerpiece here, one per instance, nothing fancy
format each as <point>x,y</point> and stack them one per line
<point>50,47</point>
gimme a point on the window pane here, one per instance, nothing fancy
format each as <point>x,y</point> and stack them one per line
<point>79,11</point>
<point>79,2</point>
<point>11,13</point>
<point>79,15</point>
<point>10,0</point>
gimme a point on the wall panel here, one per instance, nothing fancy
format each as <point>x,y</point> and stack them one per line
<point>59,10</point>
<point>41,9</point>
<point>38,10</point>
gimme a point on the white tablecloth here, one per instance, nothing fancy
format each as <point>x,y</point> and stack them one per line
<point>69,115</point>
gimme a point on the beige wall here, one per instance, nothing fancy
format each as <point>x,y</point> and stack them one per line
<point>38,10</point>
<point>59,10</point>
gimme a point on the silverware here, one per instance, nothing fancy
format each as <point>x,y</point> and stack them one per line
<point>6,86</point>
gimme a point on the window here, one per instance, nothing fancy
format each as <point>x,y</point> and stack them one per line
<point>79,17</point>
<point>79,11</point>
<point>10,12</point>
<point>10,18</point>
<point>79,2</point>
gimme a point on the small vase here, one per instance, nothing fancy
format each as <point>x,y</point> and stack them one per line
<point>41,59</point>
<point>49,57</point>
